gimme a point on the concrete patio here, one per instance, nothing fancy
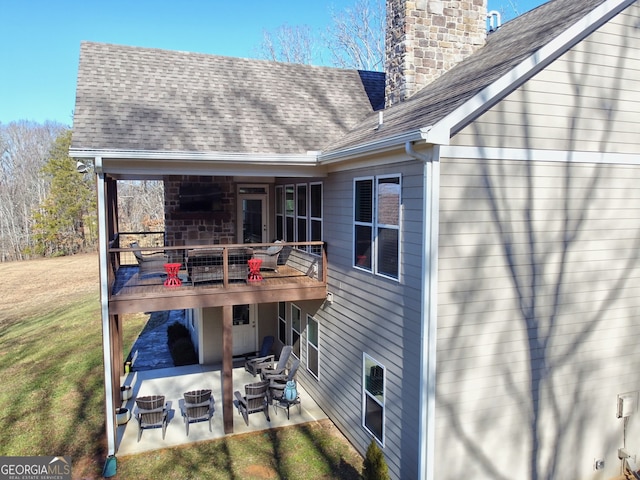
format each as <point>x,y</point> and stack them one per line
<point>173,382</point>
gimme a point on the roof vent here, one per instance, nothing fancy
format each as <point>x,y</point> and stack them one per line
<point>380,120</point>
<point>494,20</point>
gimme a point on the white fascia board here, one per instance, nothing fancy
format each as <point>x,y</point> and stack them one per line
<point>522,72</point>
<point>307,159</point>
<point>375,146</point>
<point>137,163</point>
<point>525,155</point>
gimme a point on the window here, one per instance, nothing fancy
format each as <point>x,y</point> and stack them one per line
<point>315,213</point>
<point>290,209</point>
<point>376,216</point>
<point>296,328</point>
<point>373,380</point>
<point>279,213</point>
<point>282,322</point>
<point>313,346</point>
<point>241,314</point>
<point>301,212</point>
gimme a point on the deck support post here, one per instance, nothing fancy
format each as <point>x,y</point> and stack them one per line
<point>227,368</point>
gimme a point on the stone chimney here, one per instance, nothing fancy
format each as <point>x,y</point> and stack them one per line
<point>425,38</point>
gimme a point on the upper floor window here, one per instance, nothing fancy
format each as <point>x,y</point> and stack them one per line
<point>376,218</point>
<point>299,212</point>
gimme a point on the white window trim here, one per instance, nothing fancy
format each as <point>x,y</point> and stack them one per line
<point>302,215</point>
<point>383,225</point>
<point>291,215</point>
<point>283,321</point>
<point>293,305</point>
<point>375,225</point>
<point>312,346</point>
<point>365,394</point>
<point>321,217</point>
<point>279,192</point>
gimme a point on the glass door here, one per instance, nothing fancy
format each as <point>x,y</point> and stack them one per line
<point>252,214</point>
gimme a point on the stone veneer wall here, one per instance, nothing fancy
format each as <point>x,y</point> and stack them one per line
<point>199,228</point>
<point>425,38</point>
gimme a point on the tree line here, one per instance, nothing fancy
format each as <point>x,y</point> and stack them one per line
<point>48,207</point>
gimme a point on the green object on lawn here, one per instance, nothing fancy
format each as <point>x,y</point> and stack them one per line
<point>110,465</point>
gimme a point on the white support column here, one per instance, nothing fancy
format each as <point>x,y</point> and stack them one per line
<point>103,234</point>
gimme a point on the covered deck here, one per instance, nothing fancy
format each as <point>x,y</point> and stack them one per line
<point>213,275</point>
<point>174,382</point>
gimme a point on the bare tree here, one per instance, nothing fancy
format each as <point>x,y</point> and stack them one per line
<point>511,9</point>
<point>141,206</point>
<point>355,39</point>
<point>24,149</point>
<point>356,36</point>
<point>292,44</point>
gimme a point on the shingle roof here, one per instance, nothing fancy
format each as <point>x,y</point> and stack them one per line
<point>507,47</point>
<point>132,98</point>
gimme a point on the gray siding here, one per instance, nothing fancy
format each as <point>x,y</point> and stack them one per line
<point>591,92</point>
<point>539,280</point>
<point>539,274</point>
<point>374,315</point>
<point>539,277</point>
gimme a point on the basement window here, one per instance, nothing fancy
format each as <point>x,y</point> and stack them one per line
<point>373,397</point>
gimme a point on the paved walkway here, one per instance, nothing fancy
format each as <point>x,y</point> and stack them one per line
<point>150,351</point>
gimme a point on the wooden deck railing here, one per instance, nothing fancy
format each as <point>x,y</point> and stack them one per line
<point>208,265</point>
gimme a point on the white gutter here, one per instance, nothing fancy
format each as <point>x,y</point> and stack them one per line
<point>375,146</point>
<point>306,159</point>
<point>104,303</point>
<point>429,309</point>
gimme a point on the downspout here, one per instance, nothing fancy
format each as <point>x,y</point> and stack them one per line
<point>428,299</point>
<point>104,304</point>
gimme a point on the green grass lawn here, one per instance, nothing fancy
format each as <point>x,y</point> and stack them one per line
<point>52,400</point>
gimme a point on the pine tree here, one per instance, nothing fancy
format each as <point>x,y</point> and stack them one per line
<point>374,466</point>
<point>65,222</point>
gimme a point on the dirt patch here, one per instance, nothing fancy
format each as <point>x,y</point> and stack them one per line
<point>29,285</point>
<point>259,472</point>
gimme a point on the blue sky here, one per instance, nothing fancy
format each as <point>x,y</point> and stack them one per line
<point>40,39</point>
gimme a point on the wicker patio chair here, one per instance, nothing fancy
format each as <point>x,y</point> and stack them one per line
<point>198,405</point>
<point>269,256</point>
<point>251,365</point>
<point>268,368</point>
<point>149,263</point>
<point>152,412</point>
<point>255,400</point>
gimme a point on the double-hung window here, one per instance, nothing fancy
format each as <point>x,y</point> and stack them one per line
<point>376,219</point>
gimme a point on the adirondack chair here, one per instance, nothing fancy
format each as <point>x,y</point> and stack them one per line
<point>251,365</point>
<point>152,412</point>
<point>198,405</point>
<point>271,369</point>
<point>254,400</point>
